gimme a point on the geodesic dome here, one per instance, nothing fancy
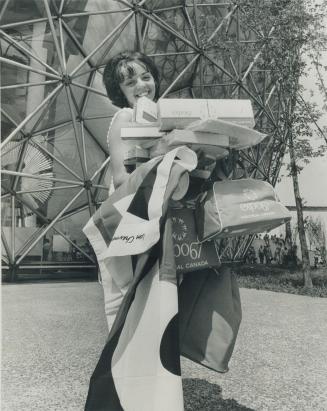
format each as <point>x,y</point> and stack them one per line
<point>55,113</point>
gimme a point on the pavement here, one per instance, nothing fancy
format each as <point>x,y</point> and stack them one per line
<point>53,333</point>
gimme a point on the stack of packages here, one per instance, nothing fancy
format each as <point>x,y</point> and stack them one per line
<point>229,208</point>
<point>210,125</point>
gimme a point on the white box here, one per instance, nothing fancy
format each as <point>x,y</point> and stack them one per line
<point>140,134</point>
<point>134,154</point>
<point>235,111</point>
<point>178,113</point>
<point>145,111</point>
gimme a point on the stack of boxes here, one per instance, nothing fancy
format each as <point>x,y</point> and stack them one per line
<point>212,126</point>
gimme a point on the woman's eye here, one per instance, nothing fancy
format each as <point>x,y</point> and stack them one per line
<point>130,83</point>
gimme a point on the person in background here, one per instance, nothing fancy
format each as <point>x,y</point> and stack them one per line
<point>285,256</point>
<point>261,254</point>
<point>74,251</point>
<point>266,239</point>
<point>281,239</point>
<point>46,249</point>
<point>277,255</point>
<point>251,257</point>
<point>266,252</point>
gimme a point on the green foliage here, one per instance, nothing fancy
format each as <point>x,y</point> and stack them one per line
<point>315,230</point>
<point>281,280</point>
<point>288,31</point>
<point>321,71</point>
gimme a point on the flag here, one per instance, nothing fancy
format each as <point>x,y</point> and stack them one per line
<point>139,368</point>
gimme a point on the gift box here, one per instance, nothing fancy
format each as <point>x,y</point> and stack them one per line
<point>145,111</point>
<point>238,207</point>
<point>134,154</point>
<point>238,111</point>
<point>179,113</point>
<point>140,133</point>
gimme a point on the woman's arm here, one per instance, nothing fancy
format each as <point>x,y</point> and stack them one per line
<point>116,148</point>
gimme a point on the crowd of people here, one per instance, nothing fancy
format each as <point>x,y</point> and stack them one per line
<point>275,250</point>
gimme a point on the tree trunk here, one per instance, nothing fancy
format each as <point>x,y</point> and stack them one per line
<point>300,221</point>
<point>288,233</point>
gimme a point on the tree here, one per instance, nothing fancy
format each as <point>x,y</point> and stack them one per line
<point>315,230</point>
<point>289,30</point>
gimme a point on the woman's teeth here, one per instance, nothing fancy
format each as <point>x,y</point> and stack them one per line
<point>142,94</point>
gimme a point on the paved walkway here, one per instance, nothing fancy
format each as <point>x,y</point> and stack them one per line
<point>52,335</point>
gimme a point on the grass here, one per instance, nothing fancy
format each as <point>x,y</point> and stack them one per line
<point>263,277</point>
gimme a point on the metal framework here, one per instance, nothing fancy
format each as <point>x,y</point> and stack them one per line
<point>54,105</point>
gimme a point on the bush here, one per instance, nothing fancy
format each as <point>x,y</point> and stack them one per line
<point>265,277</point>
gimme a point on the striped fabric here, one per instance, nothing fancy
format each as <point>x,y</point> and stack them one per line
<point>131,233</point>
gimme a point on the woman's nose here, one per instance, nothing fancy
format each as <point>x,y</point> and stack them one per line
<point>140,83</point>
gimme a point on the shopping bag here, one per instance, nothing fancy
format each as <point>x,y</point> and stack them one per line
<point>209,317</point>
<point>239,207</point>
<point>190,254</point>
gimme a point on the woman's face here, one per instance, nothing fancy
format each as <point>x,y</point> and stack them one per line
<point>140,84</point>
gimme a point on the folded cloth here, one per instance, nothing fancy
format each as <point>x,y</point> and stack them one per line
<point>240,137</point>
<point>139,368</point>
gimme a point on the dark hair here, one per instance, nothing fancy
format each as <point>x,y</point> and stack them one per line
<point>113,77</point>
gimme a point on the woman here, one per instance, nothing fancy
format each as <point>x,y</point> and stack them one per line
<point>127,77</point>
<point>139,368</point>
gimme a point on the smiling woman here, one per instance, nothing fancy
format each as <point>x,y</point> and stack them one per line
<point>138,82</point>
<point>127,77</point>
<point>128,70</point>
